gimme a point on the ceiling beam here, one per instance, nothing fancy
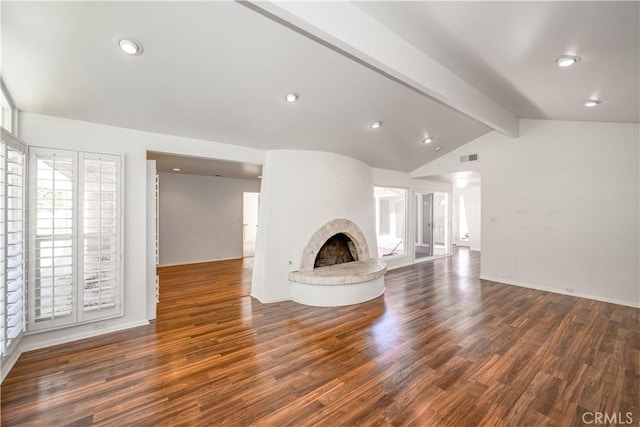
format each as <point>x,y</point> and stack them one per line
<point>347,29</point>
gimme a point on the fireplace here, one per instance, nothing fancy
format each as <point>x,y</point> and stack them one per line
<point>336,269</point>
<point>338,249</point>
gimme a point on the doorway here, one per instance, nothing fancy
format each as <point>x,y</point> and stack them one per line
<point>466,215</point>
<point>250,204</point>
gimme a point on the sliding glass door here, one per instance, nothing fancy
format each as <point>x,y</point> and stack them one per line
<point>424,225</point>
<point>431,225</point>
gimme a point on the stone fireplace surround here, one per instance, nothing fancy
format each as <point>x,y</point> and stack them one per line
<point>339,284</point>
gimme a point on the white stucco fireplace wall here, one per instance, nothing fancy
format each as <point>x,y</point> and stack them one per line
<point>302,191</point>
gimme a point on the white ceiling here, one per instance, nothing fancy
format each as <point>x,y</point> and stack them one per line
<point>189,165</point>
<point>219,70</point>
<point>507,50</point>
<point>216,71</point>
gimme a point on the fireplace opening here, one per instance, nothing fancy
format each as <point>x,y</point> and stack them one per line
<point>338,249</point>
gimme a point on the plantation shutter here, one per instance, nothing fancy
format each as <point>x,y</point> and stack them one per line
<point>12,239</point>
<point>2,249</point>
<point>15,229</point>
<point>76,250</point>
<point>52,209</point>
<point>100,225</point>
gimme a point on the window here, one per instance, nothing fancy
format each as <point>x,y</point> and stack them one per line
<point>2,245</point>
<point>75,252</point>
<point>391,220</point>
<point>7,110</point>
<point>12,236</point>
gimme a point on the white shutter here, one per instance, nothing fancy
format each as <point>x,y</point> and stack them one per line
<point>100,234</point>
<point>76,254</point>
<point>15,229</point>
<point>12,242</point>
<point>2,249</point>
<point>52,272</point>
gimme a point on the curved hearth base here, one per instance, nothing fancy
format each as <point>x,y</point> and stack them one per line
<point>340,284</point>
<point>336,295</point>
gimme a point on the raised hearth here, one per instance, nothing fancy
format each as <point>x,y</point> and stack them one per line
<point>336,268</point>
<point>341,274</point>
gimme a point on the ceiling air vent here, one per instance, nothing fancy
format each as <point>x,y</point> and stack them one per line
<point>469,158</point>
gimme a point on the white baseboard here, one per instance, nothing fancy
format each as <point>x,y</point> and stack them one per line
<point>268,300</point>
<point>415,262</point>
<point>38,344</point>
<point>560,291</point>
<point>396,266</point>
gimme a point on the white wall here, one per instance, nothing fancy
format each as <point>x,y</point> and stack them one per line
<point>54,132</point>
<point>302,191</point>
<point>201,217</point>
<point>560,207</point>
<point>389,178</point>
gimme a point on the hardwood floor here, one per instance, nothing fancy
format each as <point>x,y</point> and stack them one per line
<point>439,348</point>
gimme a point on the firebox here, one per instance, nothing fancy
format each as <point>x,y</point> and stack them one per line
<point>338,249</point>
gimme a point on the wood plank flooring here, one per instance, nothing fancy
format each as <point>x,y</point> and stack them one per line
<point>440,348</point>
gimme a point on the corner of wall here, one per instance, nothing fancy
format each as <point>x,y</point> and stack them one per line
<point>9,362</point>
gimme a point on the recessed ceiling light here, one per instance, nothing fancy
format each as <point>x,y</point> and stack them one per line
<point>438,148</point>
<point>427,140</point>
<point>176,169</point>
<point>567,60</point>
<point>375,125</point>
<point>592,102</point>
<point>259,176</point>
<point>130,46</point>
<point>292,97</point>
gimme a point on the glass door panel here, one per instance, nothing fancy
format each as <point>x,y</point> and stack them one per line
<point>432,225</point>
<point>424,221</point>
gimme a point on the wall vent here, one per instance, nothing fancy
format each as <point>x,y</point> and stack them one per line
<point>469,158</point>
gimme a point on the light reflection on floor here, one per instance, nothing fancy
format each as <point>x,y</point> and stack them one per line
<point>458,296</point>
<point>391,330</point>
<point>387,332</point>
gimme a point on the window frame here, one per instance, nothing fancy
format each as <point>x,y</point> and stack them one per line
<point>79,314</point>
<point>405,242</point>
<point>6,103</point>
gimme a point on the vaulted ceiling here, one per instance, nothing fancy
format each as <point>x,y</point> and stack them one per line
<point>219,70</point>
